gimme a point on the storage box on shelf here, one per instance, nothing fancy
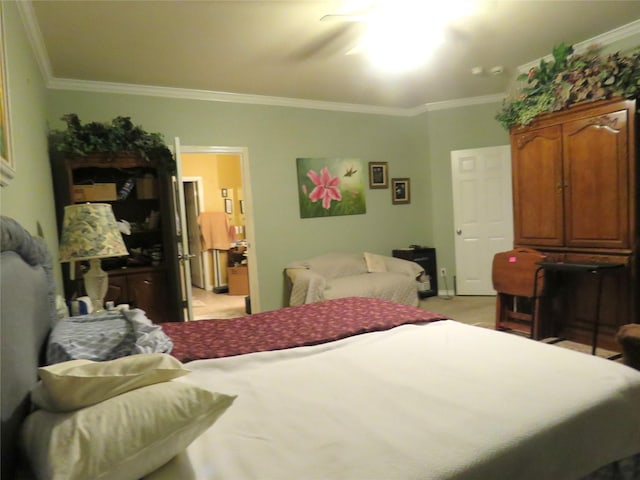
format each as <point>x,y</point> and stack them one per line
<point>139,193</point>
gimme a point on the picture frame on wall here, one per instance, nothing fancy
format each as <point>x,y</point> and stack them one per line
<point>400,191</point>
<point>7,162</point>
<point>228,206</point>
<point>378,175</point>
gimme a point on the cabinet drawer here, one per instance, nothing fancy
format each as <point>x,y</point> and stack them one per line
<point>596,258</point>
<point>117,291</point>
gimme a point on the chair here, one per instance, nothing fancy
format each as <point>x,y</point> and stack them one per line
<point>519,284</point>
<point>629,337</point>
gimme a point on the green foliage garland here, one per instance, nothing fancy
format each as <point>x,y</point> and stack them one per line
<point>121,135</point>
<point>569,79</point>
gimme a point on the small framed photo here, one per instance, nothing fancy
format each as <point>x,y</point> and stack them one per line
<point>228,206</point>
<point>224,193</point>
<point>242,206</point>
<point>400,191</point>
<point>378,175</point>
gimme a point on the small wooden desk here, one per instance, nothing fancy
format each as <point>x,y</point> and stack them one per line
<point>597,269</point>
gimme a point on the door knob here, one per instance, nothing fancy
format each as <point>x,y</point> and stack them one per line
<point>459,232</point>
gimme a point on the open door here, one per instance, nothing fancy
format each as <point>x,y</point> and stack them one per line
<point>192,194</point>
<point>182,238</point>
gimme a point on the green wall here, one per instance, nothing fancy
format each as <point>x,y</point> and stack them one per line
<point>275,137</point>
<point>455,129</point>
<point>28,197</point>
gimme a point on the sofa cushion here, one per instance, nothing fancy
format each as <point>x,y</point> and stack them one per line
<point>375,263</point>
<point>333,265</point>
<point>386,286</point>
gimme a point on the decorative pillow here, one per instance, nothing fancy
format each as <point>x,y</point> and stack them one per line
<point>125,437</point>
<point>76,384</point>
<point>375,263</point>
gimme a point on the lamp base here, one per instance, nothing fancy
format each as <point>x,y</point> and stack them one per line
<point>96,282</point>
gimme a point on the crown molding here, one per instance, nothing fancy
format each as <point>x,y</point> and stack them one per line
<point>606,38</point>
<point>213,96</point>
<point>35,38</point>
<point>460,102</point>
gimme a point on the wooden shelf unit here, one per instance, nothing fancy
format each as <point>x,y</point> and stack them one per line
<point>147,279</point>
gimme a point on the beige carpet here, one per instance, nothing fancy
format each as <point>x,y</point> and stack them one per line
<point>473,310</point>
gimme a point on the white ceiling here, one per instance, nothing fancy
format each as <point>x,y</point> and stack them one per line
<point>282,49</point>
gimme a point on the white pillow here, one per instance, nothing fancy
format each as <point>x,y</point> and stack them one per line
<point>375,263</point>
<point>76,384</point>
<point>125,437</point>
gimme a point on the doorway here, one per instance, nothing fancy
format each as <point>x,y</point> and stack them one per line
<point>483,214</point>
<point>213,184</point>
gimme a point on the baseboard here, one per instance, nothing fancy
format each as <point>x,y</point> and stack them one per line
<point>446,293</point>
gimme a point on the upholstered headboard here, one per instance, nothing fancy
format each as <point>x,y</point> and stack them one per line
<point>27,308</point>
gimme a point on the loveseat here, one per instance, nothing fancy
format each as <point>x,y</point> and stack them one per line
<point>339,275</point>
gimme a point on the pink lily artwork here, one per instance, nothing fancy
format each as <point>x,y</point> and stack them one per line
<point>330,186</point>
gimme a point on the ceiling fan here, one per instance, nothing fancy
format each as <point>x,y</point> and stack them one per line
<point>399,35</point>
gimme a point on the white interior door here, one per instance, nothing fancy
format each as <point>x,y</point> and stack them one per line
<point>184,256</point>
<point>483,214</point>
<point>192,193</point>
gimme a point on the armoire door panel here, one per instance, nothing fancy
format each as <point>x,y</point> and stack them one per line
<point>537,187</point>
<point>595,181</point>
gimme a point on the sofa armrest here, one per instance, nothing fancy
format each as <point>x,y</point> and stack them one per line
<point>306,286</point>
<point>407,267</point>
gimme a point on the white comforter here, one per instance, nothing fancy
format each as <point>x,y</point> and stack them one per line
<point>437,401</point>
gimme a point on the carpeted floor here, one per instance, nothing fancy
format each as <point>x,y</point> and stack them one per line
<point>208,305</point>
<point>473,310</point>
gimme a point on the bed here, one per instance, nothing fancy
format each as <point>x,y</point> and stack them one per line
<point>434,399</point>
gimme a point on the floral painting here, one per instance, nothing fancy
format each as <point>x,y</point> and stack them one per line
<point>330,186</point>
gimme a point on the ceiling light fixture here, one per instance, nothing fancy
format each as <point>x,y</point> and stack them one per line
<point>401,35</point>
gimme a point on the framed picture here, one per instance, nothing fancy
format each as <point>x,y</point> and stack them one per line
<point>242,206</point>
<point>228,206</point>
<point>224,193</point>
<point>7,165</point>
<point>378,175</point>
<point>400,191</point>
<point>331,186</point>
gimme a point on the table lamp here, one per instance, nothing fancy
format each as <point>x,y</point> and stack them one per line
<point>90,232</point>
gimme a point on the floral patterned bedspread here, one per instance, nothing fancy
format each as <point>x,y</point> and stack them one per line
<point>289,327</point>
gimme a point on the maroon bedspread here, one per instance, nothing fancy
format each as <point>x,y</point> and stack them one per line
<point>289,327</point>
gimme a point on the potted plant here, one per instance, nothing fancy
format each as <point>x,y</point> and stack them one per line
<point>570,79</point>
<point>110,140</point>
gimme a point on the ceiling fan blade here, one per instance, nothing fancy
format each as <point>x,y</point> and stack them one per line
<point>344,17</point>
<point>337,41</point>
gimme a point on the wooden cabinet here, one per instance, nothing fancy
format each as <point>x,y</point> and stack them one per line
<point>571,180</point>
<point>144,288</point>
<point>238,279</point>
<point>140,194</point>
<point>575,195</point>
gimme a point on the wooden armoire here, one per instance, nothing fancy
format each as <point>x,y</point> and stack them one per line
<point>575,197</point>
